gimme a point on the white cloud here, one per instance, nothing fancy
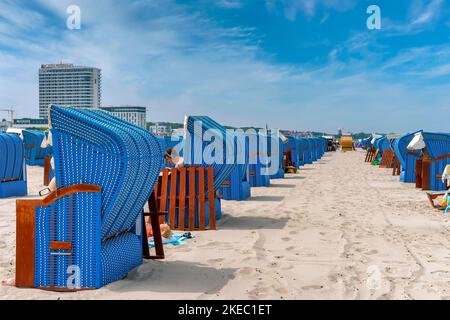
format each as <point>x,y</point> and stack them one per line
<point>429,13</point>
<point>291,8</point>
<point>422,16</point>
<point>229,4</point>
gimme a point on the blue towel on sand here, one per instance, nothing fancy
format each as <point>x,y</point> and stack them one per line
<point>176,240</point>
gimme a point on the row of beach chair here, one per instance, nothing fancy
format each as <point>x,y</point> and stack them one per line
<point>92,231</point>
<point>417,157</point>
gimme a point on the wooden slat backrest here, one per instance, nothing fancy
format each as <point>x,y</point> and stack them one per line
<point>173,197</point>
<point>211,199</point>
<point>164,188</point>
<point>191,191</point>
<point>419,173</point>
<point>182,202</point>
<point>426,175</point>
<point>201,195</point>
<point>191,198</point>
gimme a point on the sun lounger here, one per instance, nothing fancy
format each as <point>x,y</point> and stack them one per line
<point>13,177</point>
<point>85,235</point>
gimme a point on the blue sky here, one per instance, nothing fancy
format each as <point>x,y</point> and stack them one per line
<point>306,65</point>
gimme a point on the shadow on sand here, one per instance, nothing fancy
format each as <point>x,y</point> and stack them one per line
<point>267,198</point>
<point>174,276</point>
<point>295,177</point>
<point>251,223</point>
<point>286,186</point>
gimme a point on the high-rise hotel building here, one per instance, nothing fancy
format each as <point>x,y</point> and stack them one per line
<point>69,85</point>
<point>132,114</point>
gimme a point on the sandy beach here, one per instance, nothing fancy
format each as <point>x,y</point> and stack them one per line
<point>340,229</point>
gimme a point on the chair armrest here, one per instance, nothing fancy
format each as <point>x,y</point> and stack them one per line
<point>26,232</point>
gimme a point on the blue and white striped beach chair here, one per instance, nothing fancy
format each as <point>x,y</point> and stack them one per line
<point>34,153</point>
<point>291,153</point>
<point>85,234</point>
<point>13,177</point>
<point>407,158</point>
<point>237,186</point>
<point>438,149</point>
<point>259,175</point>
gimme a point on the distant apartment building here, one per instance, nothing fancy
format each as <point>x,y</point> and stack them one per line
<point>69,85</point>
<point>160,130</point>
<point>132,114</point>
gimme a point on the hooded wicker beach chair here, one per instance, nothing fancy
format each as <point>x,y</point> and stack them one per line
<point>378,149</point>
<point>321,148</point>
<point>387,151</point>
<point>307,154</point>
<point>191,194</point>
<point>384,144</point>
<point>315,148</point>
<point>259,175</point>
<point>291,155</point>
<point>346,142</point>
<point>436,155</point>
<point>324,148</point>
<point>13,177</point>
<point>237,186</point>
<point>197,148</point>
<point>366,143</point>
<point>276,150</point>
<point>34,153</point>
<point>105,171</point>
<point>407,158</point>
<point>302,146</point>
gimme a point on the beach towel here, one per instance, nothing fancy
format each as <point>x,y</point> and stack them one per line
<point>176,239</point>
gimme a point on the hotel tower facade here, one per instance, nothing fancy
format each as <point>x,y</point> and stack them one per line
<point>69,85</point>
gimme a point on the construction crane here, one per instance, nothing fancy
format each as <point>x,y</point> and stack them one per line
<point>11,115</point>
